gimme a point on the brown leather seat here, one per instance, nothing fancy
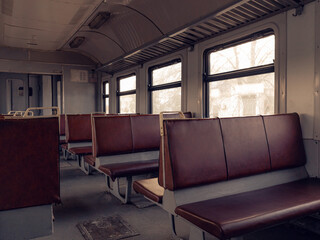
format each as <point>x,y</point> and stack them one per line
<point>117,170</point>
<point>238,214</point>
<point>150,188</point>
<point>81,150</point>
<point>91,160</point>
<point>29,172</point>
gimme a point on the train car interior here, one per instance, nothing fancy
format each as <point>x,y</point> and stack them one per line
<point>159,119</point>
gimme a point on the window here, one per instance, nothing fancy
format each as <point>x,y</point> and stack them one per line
<point>127,94</point>
<point>165,87</point>
<point>239,77</point>
<point>106,96</point>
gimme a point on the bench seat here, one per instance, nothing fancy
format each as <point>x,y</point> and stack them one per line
<point>238,214</point>
<point>118,170</point>
<point>150,188</point>
<point>81,150</point>
<point>89,159</point>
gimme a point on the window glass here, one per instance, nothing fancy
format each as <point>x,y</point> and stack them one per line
<point>166,100</point>
<point>128,103</point>
<point>248,92</point>
<point>167,74</point>
<point>106,88</point>
<point>246,96</point>
<point>106,104</point>
<point>106,97</point>
<point>127,84</point>
<point>165,87</point>
<point>246,55</point>
<point>127,94</point>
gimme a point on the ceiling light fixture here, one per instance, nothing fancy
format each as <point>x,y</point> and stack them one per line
<point>99,20</point>
<point>76,42</point>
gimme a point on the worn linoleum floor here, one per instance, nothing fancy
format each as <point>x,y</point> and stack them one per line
<point>85,197</point>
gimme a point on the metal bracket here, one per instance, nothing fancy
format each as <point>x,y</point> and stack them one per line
<point>173,228</point>
<point>299,10</point>
<point>115,188</point>
<point>85,167</point>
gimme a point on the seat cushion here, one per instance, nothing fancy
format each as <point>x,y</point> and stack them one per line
<point>91,160</point>
<point>150,188</point>
<point>81,150</point>
<point>239,214</point>
<point>116,170</point>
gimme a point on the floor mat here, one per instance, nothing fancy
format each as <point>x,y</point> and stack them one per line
<point>106,228</point>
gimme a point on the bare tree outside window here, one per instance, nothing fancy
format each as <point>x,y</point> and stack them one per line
<point>127,94</point>
<point>165,96</point>
<point>242,96</point>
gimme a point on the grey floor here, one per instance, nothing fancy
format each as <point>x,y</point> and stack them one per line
<point>85,197</point>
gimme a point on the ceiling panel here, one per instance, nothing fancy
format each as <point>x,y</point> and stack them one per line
<point>47,24</point>
<point>99,46</point>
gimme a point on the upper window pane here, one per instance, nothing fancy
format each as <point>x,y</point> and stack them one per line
<point>168,74</point>
<point>246,55</point>
<point>127,84</point>
<point>106,88</point>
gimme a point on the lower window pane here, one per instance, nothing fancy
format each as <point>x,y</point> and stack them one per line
<point>106,101</point>
<point>246,96</point>
<point>166,100</point>
<point>128,103</point>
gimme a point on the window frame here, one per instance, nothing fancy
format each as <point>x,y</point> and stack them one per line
<point>244,72</point>
<point>104,95</point>
<point>164,86</point>
<point>124,93</point>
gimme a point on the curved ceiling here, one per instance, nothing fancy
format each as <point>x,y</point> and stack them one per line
<point>136,31</point>
<point>135,23</point>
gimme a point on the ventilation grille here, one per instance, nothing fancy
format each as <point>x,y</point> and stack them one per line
<point>238,15</point>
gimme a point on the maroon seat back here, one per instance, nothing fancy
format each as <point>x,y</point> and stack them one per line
<point>62,124</point>
<point>145,132</point>
<point>126,134</point>
<point>194,153</point>
<point>245,145</point>
<point>29,162</point>
<point>111,135</point>
<point>285,140</point>
<point>78,128</point>
<point>200,152</point>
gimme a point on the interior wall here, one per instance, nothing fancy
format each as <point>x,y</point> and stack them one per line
<point>21,103</point>
<point>53,64</point>
<point>79,97</point>
<point>300,66</point>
